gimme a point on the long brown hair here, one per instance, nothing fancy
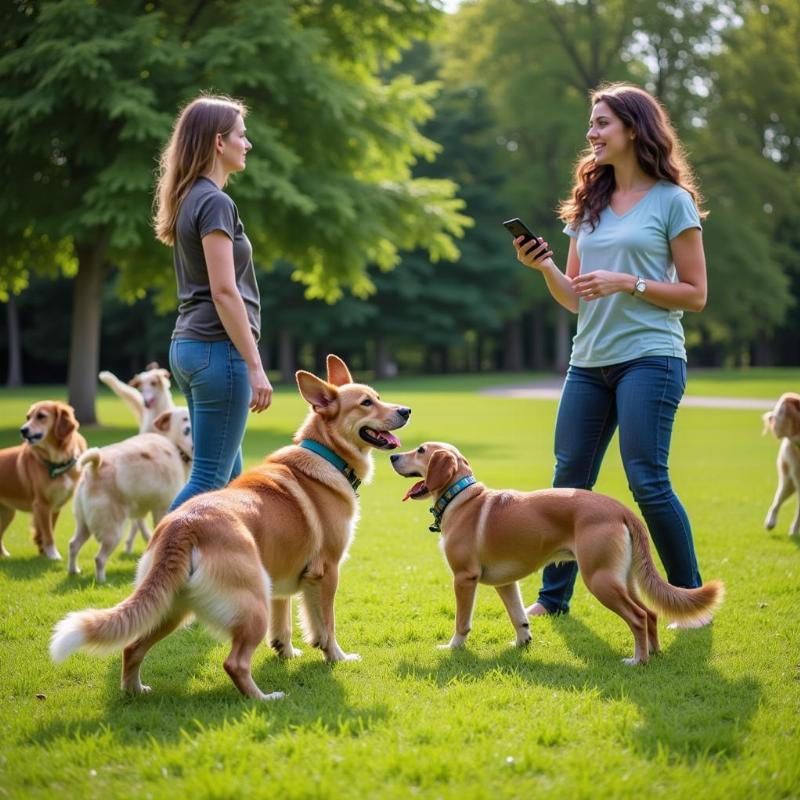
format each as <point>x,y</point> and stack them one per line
<point>190,153</point>
<point>658,151</point>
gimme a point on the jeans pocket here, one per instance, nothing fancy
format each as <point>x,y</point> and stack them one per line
<point>192,357</point>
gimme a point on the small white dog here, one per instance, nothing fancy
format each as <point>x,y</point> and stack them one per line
<point>137,476</point>
<point>784,422</point>
<point>148,395</point>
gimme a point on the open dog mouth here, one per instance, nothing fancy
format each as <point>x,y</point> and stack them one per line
<point>419,489</point>
<point>383,440</point>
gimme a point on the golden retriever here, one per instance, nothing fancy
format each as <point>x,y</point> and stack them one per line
<point>499,537</point>
<point>40,476</point>
<point>784,422</point>
<point>140,475</point>
<point>235,557</point>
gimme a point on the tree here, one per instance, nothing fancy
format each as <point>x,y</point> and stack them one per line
<point>87,95</point>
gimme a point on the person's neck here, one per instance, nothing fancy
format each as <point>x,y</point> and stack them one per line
<point>629,177</point>
<point>217,174</point>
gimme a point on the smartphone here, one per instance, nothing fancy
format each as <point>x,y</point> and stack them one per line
<point>518,228</point>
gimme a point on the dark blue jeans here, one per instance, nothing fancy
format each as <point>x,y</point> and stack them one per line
<point>641,398</point>
<point>213,378</point>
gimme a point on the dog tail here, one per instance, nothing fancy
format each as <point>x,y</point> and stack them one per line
<point>163,570</point>
<point>91,456</point>
<point>682,605</point>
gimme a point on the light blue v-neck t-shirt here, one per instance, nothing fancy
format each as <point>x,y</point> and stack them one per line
<point>622,327</point>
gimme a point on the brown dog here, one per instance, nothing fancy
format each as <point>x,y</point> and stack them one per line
<point>284,525</point>
<point>784,422</point>
<point>40,476</point>
<point>499,537</point>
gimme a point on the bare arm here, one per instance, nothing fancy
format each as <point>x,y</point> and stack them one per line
<point>558,283</point>
<point>688,294</point>
<point>218,251</point>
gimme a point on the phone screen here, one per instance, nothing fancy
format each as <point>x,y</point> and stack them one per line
<point>518,228</point>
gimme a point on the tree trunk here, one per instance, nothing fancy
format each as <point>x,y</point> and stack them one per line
<point>84,343</point>
<point>14,377</point>
<point>383,359</point>
<point>513,359</point>
<point>563,327</point>
<point>537,332</point>
<point>286,362</point>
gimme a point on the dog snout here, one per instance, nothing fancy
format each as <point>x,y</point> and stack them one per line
<point>24,431</point>
<point>394,457</point>
<point>404,412</point>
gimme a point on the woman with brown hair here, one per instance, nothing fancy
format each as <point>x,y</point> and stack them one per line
<point>213,354</point>
<point>635,264</point>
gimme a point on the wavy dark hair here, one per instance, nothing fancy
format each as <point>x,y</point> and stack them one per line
<point>658,151</point>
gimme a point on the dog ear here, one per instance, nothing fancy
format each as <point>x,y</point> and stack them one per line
<point>135,381</point>
<point>441,469</point>
<point>152,365</point>
<point>768,418</point>
<point>315,391</point>
<point>65,423</point>
<point>793,413</point>
<point>162,421</point>
<point>338,373</point>
<point>164,373</point>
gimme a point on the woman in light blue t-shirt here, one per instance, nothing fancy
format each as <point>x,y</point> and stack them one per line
<point>635,264</point>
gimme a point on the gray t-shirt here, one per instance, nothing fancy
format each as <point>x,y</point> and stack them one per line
<point>206,209</point>
<point>622,327</point>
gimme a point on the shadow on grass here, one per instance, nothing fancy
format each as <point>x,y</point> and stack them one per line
<point>24,568</point>
<point>174,708</point>
<point>687,709</point>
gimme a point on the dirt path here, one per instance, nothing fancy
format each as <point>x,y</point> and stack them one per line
<point>551,390</point>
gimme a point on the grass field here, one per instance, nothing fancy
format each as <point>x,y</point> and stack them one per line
<point>716,715</point>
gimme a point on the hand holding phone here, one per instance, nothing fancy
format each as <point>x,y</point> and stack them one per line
<point>518,228</point>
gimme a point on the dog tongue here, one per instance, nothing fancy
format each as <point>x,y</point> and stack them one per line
<point>389,438</point>
<point>414,489</point>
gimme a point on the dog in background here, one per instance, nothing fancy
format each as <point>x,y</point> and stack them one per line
<point>234,557</point>
<point>499,537</point>
<point>148,395</point>
<point>40,476</point>
<point>784,422</point>
<point>138,476</point>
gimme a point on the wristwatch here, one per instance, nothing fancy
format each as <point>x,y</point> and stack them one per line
<point>639,286</point>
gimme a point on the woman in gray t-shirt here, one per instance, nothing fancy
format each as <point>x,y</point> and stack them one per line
<point>635,264</point>
<point>213,354</point>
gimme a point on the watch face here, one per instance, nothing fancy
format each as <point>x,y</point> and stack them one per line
<point>640,286</point>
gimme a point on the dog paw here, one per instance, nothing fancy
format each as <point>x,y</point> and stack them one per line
<point>285,650</point>
<point>769,522</point>
<point>522,642</point>
<point>3,552</point>
<point>350,657</point>
<point>105,376</point>
<point>51,553</point>
<point>273,696</point>
<point>633,662</point>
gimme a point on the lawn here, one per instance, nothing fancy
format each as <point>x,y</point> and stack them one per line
<point>716,715</point>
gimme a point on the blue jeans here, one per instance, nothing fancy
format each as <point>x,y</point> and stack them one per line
<point>213,378</point>
<point>641,398</point>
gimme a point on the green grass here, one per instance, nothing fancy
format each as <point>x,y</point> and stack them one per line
<point>715,715</point>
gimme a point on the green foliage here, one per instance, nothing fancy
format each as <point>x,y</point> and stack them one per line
<point>714,716</point>
<point>90,90</point>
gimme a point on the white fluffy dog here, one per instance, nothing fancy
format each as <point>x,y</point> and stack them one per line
<point>132,478</point>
